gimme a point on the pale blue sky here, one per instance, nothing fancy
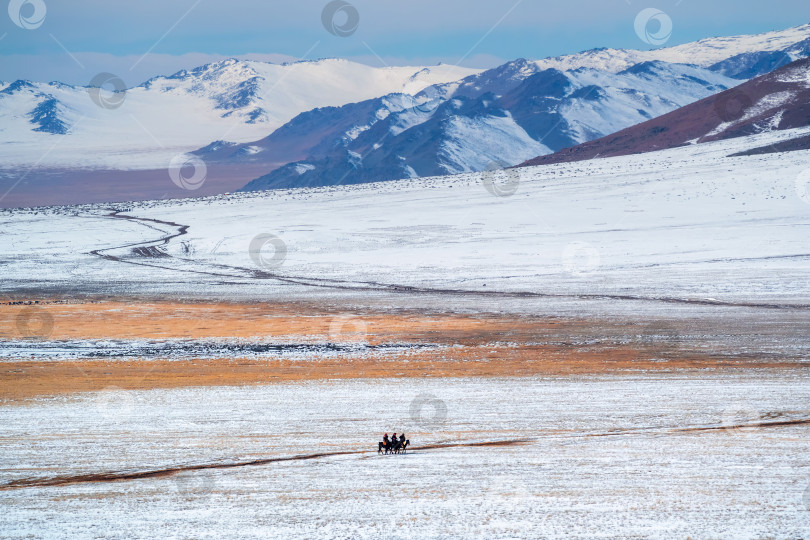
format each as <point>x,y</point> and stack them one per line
<point>114,36</point>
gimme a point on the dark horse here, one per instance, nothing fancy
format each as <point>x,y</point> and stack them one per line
<point>393,447</point>
<point>400,447</point>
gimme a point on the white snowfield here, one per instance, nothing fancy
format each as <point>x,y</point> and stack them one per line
<point>614,235</point>
<point>170,115</point>
<point>667,456</point>
<point>700,454</point>
<point>704,53</point>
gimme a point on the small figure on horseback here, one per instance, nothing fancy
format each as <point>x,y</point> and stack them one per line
<point>393,445</point>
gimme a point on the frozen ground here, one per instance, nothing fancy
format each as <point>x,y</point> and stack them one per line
<point>185,349</point>
<point>685,227</point>
<point>702,454</point>
<point>644,456</point>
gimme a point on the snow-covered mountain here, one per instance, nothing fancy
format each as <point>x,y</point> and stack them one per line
<point>488,120</point>
<point>774,102</point>
<point>333,121</point>
<point>737,56</point>
<point>237,100</point>
<point>491,119</point>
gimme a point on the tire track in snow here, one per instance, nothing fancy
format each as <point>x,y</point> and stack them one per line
<point>57,481</point>
<point>148,250</point>
<point>171,471</point>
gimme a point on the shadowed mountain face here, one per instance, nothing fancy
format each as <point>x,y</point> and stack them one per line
<point>45,114</point>
<point>777,101</point>
<point>311,131</point>
<point>753,64</point>
<point>493,119</point>
<point>334,121</point>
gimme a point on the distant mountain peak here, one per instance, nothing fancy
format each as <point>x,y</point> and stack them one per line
<point>705,53</point>
<point>18,85</point>
<point>497,116</point>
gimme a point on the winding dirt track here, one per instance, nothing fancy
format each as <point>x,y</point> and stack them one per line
<point>143,249</point>
<point>439,344</point>
<point>101,477</point>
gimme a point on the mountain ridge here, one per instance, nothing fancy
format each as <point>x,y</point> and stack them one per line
<point>477,123</point>
<point>776,101</point>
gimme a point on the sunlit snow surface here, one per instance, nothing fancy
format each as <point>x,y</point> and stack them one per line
<point>689,224</point>
<point>607,457</point>
<point>702,53</point>
<point>699,455</point>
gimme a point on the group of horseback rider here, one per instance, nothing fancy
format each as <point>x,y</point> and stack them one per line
<point>393,445</point>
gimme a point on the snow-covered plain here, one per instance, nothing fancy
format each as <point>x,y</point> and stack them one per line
<point>701,453</point>
<point>604,457</point>
<point>688,224</point>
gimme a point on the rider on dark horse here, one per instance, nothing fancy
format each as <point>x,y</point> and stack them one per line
<point>393,445</point>
<point>384,445</point>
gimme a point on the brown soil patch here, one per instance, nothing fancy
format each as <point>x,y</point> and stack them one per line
<point>471,346</point>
